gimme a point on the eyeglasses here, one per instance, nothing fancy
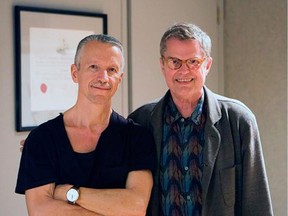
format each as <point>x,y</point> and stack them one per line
<point>175,63</point>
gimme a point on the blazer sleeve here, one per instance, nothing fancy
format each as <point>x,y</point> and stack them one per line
<point>256,198</point>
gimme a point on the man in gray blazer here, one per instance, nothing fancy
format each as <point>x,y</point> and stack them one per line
<point>210,159</point>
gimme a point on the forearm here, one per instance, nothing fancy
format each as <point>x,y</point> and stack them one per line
<point>40,201</point>
<point>132,200</point>
<point>113,202</point>
<point>255,188</point>
<point>58,208</point>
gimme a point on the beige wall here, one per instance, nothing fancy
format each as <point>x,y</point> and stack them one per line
<point>148,21</point>
<point>10,203</point>
<point>271,119</point>
<point>255,56</point>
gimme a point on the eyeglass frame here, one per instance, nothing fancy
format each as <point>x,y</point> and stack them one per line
<point>200,62</point>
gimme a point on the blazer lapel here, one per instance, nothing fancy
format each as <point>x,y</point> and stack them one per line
<point>212,144</point>
<point>212,140</point>
<point>157,124</point>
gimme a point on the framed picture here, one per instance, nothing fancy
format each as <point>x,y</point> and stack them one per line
<point>45,45</point>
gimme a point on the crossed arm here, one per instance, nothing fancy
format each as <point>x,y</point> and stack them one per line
<point>131,201</point>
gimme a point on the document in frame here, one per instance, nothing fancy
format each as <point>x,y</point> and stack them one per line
<point>52,52</point>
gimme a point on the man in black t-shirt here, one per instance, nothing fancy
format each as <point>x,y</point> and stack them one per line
<point>89,160</point>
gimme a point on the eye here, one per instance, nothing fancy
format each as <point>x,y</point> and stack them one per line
<point>113,70</point>
<point>94,67</point>
<point>176,62</point>
<point>194,62</point>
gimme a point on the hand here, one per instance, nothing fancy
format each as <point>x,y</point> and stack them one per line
<point>22,142</point>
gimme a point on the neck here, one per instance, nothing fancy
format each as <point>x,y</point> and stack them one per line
<point>186,106</point>
<point>92,117</point>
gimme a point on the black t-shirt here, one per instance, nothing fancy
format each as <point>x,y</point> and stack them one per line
<point>48,156</point>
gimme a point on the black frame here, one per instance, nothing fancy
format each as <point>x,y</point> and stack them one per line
<point>18,10</point>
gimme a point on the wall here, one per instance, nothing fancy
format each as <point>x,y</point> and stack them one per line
<point>255,71</point>
<point>10,203</point>
<point>255,56</point>
<point>144,25</point>
<point>148,21</point>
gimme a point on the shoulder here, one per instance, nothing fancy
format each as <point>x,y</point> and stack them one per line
<point>226,103</point>
<point>124,123</point>
<point>228,108</point>
<point>46,130</point>
<point>49,124</point>
<point>146,112</point>
<point>233,104</point>
<point>119,121</point>
<point>142,115</point>
<point>43,141</point>
<point>145,109</point>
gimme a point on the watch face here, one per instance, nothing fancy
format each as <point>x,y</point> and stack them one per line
<point>72,195</point>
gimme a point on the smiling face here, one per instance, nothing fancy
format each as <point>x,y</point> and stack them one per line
<point>185,84</point>
<point>99,72</point>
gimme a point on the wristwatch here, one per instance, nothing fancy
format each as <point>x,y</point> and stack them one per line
<point>73,194</point>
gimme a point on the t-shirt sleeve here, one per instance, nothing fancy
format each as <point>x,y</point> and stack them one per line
<point>36,164</point>
<point>143,151</point>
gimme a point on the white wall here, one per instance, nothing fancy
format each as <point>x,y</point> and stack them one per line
<point>148,19</point>
<point>144,34</point>
<point>256,73</point>
<point>10,203</point>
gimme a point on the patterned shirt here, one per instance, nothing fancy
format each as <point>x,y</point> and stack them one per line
<point>181,161</point>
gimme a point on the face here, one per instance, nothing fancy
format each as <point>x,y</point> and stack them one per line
<point>99,72</point>
<point>185,83</point>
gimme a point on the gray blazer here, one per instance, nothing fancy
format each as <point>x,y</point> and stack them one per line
<point>234,180</point>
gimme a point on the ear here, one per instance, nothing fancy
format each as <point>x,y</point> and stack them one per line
<point>121,76</point>
<point>74,73</point>
<point>161,61</point>
<point>208,64</point>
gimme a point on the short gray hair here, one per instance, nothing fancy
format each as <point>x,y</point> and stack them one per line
<point>186,31</point>
<point>101,38</point>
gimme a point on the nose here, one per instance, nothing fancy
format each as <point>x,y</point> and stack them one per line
<point>184,67</point>
<point>102,76</point>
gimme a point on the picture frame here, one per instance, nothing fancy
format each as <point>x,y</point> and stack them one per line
<point>45,45</point>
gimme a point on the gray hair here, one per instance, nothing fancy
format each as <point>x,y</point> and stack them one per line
<point>100,38</point>
<point>186,31</point>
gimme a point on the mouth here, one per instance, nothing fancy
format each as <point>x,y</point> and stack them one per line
<point>184,80</point>
<point>102,86</point>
